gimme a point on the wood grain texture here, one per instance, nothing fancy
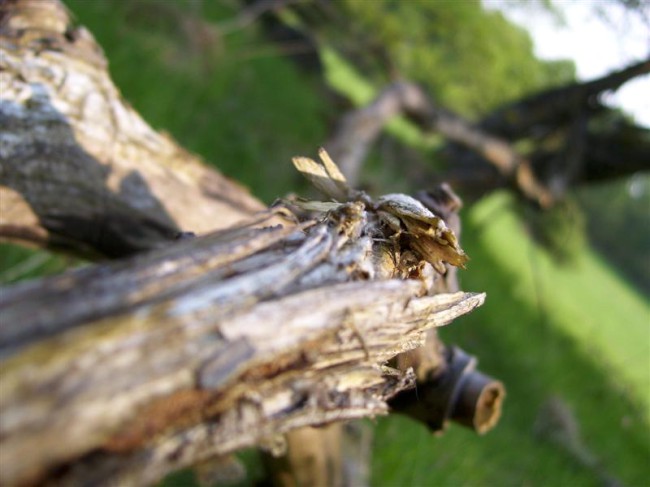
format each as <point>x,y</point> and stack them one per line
<point>208,346</point>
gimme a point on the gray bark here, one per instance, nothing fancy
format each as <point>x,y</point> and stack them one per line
<point>212,345</point>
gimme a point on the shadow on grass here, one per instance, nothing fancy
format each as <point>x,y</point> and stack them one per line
<point>536,360</point>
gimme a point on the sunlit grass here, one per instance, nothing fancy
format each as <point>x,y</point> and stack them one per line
<point>584,299</point>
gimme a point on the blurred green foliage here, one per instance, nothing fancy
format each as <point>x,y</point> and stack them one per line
<point>472,60</point>
<point>579,332</point>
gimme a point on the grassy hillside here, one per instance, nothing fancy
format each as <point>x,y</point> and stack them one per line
<point>579,333</point>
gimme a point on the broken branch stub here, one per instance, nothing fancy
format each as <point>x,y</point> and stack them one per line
<point>215,343</point>
<point>393,216</point>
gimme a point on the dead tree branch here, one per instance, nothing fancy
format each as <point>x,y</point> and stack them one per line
<point>572,137</point>
<point>206,347</point>
<point>485,153</point>
<point>120,373</point>
<point>557,106</point>
<point>361,127</point>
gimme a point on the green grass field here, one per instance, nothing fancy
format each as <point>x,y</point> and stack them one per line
<point>579,333</point>
<point>576,332</point>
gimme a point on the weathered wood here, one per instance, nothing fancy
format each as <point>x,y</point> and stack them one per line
<point>340,454</point>
<point>209,346</point>
<point>123,372</point>
<point>79,168</point>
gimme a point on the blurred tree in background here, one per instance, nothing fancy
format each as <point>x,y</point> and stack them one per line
<point>470,59</point>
